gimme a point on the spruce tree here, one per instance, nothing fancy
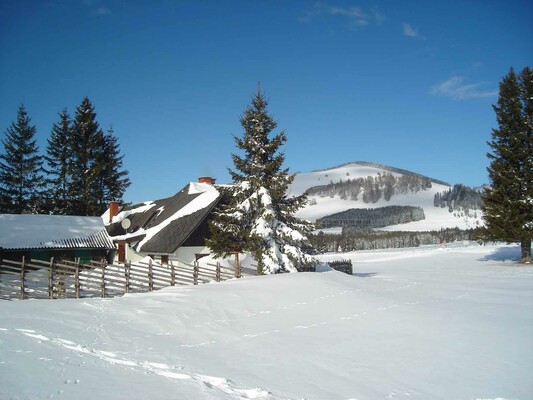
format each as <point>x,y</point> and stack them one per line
<point>112,179</point>
<point>259,215</point>
<point>508,202</point>
<point>21,179</point>
<point>58,158</point>
<point>84,169</point>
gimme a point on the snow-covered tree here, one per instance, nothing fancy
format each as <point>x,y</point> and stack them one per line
<point>508,202</point>
<point>21,178</point>
<point>259,215</point>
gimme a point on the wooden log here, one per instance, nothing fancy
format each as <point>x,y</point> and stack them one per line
<point>103,265</point>
<point>77,277</point>
<point>150,276</point>
<point>172,275</point>
<point>22,277</point>
<point>218,272</point>
<point>51,279</point>
<point>195,273</point>
<point>237,266</point>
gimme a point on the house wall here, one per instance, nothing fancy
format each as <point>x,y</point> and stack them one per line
<point>186,254</point>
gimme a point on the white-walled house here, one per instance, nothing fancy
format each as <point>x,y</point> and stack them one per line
<point>175,227</point>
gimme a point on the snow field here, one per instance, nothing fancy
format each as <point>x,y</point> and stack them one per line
<point>424,323</point>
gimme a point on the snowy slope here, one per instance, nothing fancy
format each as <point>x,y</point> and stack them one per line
<point>436,217</point>
<point>414,324</point>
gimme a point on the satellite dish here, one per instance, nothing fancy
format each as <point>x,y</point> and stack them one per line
<point>126,223</point>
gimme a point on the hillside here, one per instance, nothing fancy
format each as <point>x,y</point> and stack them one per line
<point>346,187</point>
<point>408,325</point>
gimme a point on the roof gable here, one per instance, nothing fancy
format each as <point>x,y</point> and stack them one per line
<point>161,226</point>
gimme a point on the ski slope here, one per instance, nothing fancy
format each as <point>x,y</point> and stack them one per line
<point>417,324</point>
<point>436,217</point>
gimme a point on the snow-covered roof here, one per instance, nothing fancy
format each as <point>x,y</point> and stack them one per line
<point>30,231</point>
<point>161,226</point>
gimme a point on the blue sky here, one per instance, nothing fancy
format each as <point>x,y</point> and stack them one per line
<point>405,83</point>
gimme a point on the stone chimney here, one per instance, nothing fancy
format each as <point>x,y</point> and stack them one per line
<point>113,209</point>
<point>207,179</point>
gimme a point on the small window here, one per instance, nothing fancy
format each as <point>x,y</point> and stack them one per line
<point>164,259</point>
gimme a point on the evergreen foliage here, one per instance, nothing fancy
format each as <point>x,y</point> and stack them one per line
<point>259,216</point>
<point>113,180</point>
<point>58,160</point>
<point>96,174</point>
<point>508,202</point>
<point>460,197</point>
<point>373,240</point>
<point>83,173</point>
<point>368,218</point>
<point>21,174</point>
<point>373,188</point>
<point>86,142</point>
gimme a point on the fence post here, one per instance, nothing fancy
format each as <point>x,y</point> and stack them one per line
<point>150,276</point>
<point>77,278</point>
<point>51,279</point>
<point>103,277</point>
<point>237,266</point>
<point>195,273</point>
<point>22,277</point>
<point>172,274</point>
<point>217,277</point>
<point>127,269</point>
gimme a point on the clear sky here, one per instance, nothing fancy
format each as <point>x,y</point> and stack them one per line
<point>404,83</point>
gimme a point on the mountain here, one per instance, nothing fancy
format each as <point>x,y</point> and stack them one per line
<point>334,193</point>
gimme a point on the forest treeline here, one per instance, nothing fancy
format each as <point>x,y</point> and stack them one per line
<point>460,197</point>
<point>373,188</point>
<point>79,172</point>
<point>368,218</point>
<point>372,240</point>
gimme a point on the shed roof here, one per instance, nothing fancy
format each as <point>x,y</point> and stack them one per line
<point>30,231</point>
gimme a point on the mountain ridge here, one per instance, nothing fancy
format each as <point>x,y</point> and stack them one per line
<point>362,184</point>
<point>386,168</point>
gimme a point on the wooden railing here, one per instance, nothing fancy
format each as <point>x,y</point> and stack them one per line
<point>35,279</point>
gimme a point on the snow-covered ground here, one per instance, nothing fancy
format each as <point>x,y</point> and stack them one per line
<point>318,207</point>
<point>424,323</point>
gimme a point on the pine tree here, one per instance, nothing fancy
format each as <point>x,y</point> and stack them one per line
<point>508,203</point>
<point>259,217</point>
<point>58,158</point>
<point>21,179</point>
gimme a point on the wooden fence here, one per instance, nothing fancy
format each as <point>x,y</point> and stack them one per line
<point>36,279</point>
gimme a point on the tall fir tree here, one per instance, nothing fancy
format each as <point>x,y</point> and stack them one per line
<point>112,179</point>
<point>259,215</point>
<point>96,174</point>
<point>508,203</point>
<point>58,158</point>
<point>21,174</point>
<point>84,169</point>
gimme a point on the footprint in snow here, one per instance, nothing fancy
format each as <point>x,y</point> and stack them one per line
<point>310,326</point>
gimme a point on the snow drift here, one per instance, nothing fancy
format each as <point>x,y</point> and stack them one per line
<point>418,324</point>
